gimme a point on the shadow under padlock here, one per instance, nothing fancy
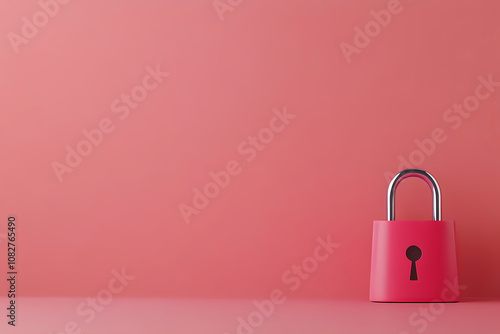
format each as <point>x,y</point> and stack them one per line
<point>413,261</point>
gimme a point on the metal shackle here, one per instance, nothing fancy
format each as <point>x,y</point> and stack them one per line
<point>422,174</point>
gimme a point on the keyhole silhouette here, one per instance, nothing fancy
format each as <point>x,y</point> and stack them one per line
<point>413,253</point>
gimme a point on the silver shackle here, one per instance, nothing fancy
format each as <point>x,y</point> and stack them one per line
<point>422,174</point>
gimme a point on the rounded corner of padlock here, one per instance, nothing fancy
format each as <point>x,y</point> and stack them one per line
<point>379,222</point>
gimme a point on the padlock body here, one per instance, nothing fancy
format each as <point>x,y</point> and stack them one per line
<point>391,277</point>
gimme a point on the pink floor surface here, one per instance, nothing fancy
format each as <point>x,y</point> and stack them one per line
<point>196,316</point>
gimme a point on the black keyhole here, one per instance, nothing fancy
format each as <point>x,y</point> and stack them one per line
<point>413,253</point>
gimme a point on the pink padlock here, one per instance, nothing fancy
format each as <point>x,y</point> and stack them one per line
<point>413,261</point>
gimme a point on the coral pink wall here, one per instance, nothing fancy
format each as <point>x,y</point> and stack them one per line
<point>180,89</point>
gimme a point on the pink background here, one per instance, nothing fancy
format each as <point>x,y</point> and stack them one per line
<point>325,173</point>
